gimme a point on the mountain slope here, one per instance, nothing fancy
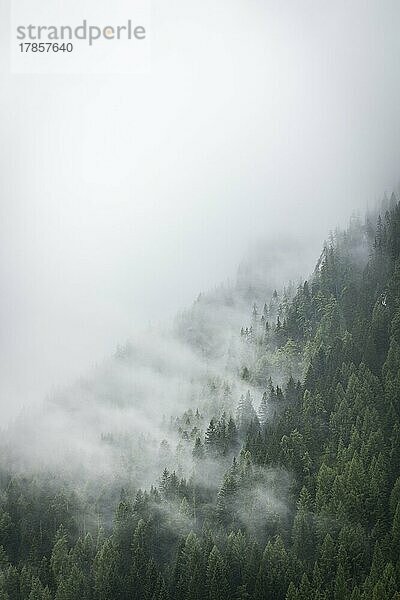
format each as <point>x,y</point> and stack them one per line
<point>296,498</point>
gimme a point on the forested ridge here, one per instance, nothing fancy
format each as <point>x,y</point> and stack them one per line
<point>293,487</point>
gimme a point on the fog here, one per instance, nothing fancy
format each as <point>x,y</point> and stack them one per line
<point>260,127</point>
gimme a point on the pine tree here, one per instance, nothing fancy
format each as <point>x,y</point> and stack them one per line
<point>38,592</point>
<point>292,593</point>
<point>226,500</point>
<point>246,415</point>
<point>217,584</point>
<point>105,571</point>
<point>59,556</point>
<point>340,584</point>
<point>211,438</point>
<point>263,409</point>
<point>396,532</point>
<point>303,533</point>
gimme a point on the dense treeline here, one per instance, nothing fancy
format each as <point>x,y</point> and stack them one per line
<point>295,499</point>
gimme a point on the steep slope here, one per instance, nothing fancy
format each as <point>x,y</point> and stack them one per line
<point>299,499</point>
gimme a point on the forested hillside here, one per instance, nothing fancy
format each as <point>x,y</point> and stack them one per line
<point>278,479</point>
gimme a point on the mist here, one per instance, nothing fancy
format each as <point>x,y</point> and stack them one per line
<point>123,197</point>
<point>200,301</point>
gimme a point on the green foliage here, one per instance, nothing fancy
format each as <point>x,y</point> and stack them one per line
<point>299,501</point>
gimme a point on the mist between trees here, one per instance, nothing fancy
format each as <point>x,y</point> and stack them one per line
<point>250,451</point>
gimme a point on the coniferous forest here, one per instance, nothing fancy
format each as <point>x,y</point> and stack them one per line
<point>277,479</point>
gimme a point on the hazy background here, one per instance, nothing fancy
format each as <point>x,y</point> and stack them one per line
<point>122,197</point>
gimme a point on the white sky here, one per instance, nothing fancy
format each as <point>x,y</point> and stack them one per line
<point>122,197</point>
